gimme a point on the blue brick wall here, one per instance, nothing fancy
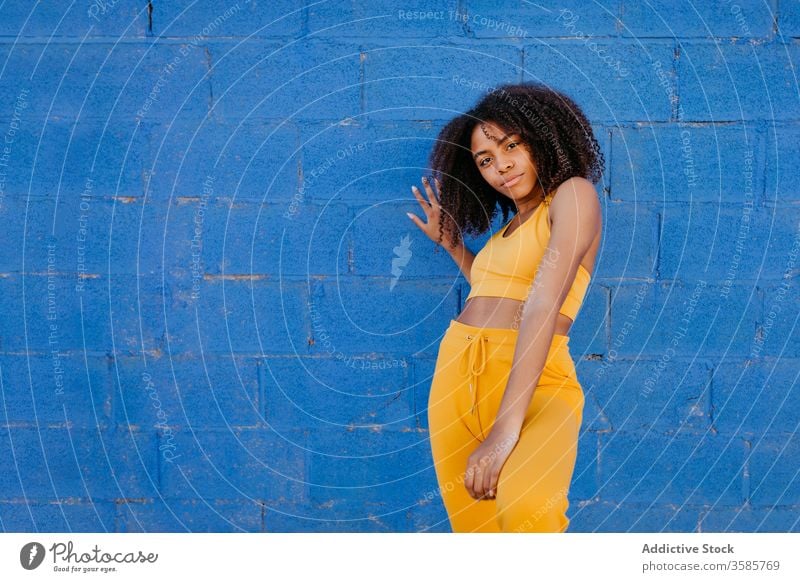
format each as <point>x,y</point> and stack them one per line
<point>216,316</point>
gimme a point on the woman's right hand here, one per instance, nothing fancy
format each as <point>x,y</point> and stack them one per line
<point>432,210</point>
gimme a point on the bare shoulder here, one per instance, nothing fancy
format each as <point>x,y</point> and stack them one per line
<point>576,189</point>
<point>576,197</point>
<point>576,206</point>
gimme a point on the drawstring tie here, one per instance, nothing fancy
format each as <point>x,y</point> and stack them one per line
<point>476,362</point>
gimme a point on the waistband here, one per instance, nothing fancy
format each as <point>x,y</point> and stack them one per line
<point>500,333</point>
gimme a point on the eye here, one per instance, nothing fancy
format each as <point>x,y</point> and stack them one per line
<point>513,143</point>
<point>481,164</point>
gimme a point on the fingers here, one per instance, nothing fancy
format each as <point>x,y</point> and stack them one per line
<point>431,195</point>
<point>481,479</point>
<point>489,482</point>
<point>415,219</point>
<point>475,479</point>
<point>422,202</point>
<point>469,479</point>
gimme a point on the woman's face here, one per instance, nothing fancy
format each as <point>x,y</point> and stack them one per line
<point>503,160</point>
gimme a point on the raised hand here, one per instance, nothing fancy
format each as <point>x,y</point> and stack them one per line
<point>432,208</point>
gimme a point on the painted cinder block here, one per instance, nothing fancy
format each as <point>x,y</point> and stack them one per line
<point>44,389</point>
<point>238,464</point>
<point>626,83</point>
<point>690,469</point>
<point>686,19</point>
<point>73,516</point>
<point>60,463</point>
<point>782,145</point>
<point>688,163</point>
<point>173,390</point>
<point>729,82</point>
<point>671,313</point>
<point>411,82</point>
<point>755,397</point>
<point>338,391</point>
<point>311,80</point>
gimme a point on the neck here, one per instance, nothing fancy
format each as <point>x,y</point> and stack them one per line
<point>531,201</point>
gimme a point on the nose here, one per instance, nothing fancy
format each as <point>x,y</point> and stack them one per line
<point>504,165</point>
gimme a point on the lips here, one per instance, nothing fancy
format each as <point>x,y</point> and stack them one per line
<point>513,180</point>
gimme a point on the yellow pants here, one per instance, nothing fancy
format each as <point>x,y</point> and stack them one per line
<point>471,373</point>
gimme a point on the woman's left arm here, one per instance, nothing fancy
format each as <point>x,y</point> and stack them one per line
<point>575,213</point>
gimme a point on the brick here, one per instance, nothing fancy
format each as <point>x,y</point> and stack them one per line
<point>726,244</point>
<point>755,398</point>
<point>338,391</point>
<point>778,333</point>
<point>66,517</point>
<point>384,19</point>
<point>737,81</point>
<point>485,19</point>
<point>636,396</point>
<point>176,391</point>
<point>750,520</point>
<point>312,80</point>
<point>387,244</point>
<point>362,472</point>
<point>788,20</point>
<point>727,322</point>
<point>63,160</point>
<point>584,482</point>
<point>40,390</point>
<point>242,18</point>
<point>686,19</point>
<point>82,319</point>
<point>233,464</point>
<point>338,317</point>
<point>434,82</point>
<point>681,470</point>
<point>348,160</point>
<point>253,239</point>
<point>594,419</point>
<point>589,331</point>
<point>252,160</point>
<point>774,478</point>
<point>55,464</point>
<point>128,75</point>
<point>431,518</point>
<point>329,517</point>
<point>781,175</point>
<point>686,163</point>
<point>607,517</point>
<point>241,315</point>
<point>422,370</point>
<point>634,238</point>
<point>192,515</point>
<point>90,235</point>
<point>122,18</point>
<point>625,84</point>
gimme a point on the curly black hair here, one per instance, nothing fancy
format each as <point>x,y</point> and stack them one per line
<point>554,130</point>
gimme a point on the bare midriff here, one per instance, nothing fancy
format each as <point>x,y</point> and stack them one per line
<point>502,312</point>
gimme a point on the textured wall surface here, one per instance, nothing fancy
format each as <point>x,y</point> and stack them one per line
<point>217,317</point>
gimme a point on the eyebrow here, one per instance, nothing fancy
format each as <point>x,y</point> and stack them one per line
<point>505,137</point>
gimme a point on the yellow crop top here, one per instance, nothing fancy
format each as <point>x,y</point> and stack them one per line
<point>506,266</point>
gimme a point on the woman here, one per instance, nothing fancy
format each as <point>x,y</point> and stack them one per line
<point>505,405</point>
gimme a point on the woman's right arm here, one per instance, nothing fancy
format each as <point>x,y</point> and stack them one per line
<point>463,257</point>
